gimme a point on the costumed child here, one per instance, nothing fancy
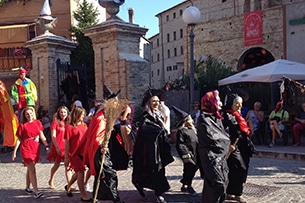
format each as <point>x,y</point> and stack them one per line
<point>186,146</point>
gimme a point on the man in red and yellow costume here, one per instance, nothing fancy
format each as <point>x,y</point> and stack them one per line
<point>24,91</point>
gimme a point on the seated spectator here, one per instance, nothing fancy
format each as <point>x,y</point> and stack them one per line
<point>277,118</point>
<point>254,117</point>
<point>299,126</point>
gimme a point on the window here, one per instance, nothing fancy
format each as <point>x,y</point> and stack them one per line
<point>174,35</point>
<point>158,42</point>
<point>152,74</point>
<point>169,68</point>
<point>181,50</point>
<point>158,57</point>
<point>175,67</point>
<point>158,72</point>
<point>174,15</point>
<point>181,33</point>
<point>168,53</point>
<point>175,51</point>
<point>168,37</point>
<point>167,18</point>
<point>181,12</point>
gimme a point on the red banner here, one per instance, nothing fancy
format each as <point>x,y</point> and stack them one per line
<point>253,28</point>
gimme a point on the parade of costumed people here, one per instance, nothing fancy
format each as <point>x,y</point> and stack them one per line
<point>186,146</point>
<point>152,152</point>
<point>8,119</point>
<point>94,148</point>
<point>24,91</point>
<point>241,148</point>
<point>213,148</point>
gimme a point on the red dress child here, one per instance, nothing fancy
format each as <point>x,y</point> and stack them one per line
<point>28,133</point>
<point>75,135</point>
<point>60,139</point>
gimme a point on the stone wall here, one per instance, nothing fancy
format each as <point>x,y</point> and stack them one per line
<point>223,38</point>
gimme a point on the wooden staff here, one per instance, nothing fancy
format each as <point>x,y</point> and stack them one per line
<point>234,144</point>
<point>112,108</point>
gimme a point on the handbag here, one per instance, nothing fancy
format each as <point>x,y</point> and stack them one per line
<point>276,118</point>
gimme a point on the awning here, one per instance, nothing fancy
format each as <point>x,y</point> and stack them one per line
<point>13,36</point>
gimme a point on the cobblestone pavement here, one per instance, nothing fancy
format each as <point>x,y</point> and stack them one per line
<point>270,180</point>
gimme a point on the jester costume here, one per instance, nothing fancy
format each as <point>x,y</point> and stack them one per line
<point>24,91</point>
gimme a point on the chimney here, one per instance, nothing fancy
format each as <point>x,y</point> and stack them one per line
<point>130,14</point>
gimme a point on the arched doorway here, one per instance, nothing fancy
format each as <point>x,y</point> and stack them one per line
<point>254,57</point>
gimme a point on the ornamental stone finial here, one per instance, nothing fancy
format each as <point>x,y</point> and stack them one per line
<point>45,20</point>
<point>112,6</point>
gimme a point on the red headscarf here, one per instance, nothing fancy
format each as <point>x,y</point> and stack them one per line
<point>210,103</point>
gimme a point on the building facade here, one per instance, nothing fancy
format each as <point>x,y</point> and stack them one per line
<point>17,25</point>
<point>222,34</point>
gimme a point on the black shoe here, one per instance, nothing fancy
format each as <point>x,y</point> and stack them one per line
<point>140,190</point>
<point>69,194</point>
<point>29,190</point>
<point>86,200</point>
<point>37,195</point>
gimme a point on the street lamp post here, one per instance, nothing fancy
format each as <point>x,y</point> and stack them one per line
<point>191,16</point>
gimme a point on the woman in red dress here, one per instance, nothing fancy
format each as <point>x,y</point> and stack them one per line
<point>61,119</point>
<point>29,131</point>
<point>73,135</point>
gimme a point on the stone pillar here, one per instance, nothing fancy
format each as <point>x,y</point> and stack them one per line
<point>117,60</point>
<point>46,49</point>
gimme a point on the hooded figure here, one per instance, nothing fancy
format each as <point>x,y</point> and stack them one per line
<point>240,153</point>
<point>186,146</point>
<point>151,151</point>
<point>24,91</point>
<point>212,149</point>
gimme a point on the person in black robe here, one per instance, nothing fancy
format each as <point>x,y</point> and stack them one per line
<point>240,153</point>
<point>213,147</point>
<point>151,151</point>
<point>186,146</point>
<point>70,86</point>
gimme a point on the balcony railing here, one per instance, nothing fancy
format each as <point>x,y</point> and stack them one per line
<point>7,63</point>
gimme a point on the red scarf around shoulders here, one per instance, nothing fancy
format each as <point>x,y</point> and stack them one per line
<point>241,122</point>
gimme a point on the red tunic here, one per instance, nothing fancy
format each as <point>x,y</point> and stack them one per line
<point>92,140</point>
<point>60,139</point>
<point>28,133</point>
<point>75,135</point>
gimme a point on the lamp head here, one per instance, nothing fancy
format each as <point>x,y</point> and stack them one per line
<point>191,15</point>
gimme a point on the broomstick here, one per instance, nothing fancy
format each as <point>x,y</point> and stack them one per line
<point>112,108</point>
<point>234,144</point>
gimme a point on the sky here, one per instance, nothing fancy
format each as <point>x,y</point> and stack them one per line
<point>145,11</point>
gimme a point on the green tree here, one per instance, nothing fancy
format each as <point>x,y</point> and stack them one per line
<point>87,16</point>
<point>207,73</point>
<point>2,2</point>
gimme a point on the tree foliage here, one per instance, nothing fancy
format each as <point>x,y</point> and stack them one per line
<point>3,2</point>
<point>87,16</point>
<point>207,73</point>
